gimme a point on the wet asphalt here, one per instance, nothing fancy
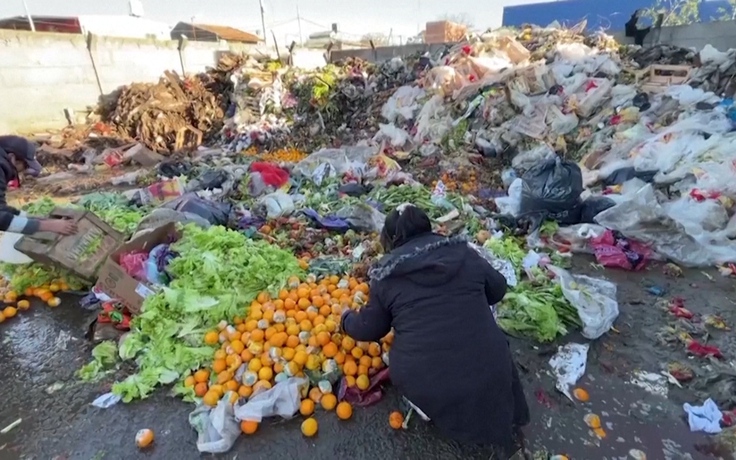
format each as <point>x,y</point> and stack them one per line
<point>42,348</point>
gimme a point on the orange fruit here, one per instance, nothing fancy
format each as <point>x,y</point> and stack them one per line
<point>344,410</point>
<point>255,364</point>
<point>356,352</point>
<point>329,349</point>
<point>301,357</point>
<point>323,338</point>
<point>581,395</point>
<point>202,376</point>
<point>212,338</point>
<point>365,361</point>
<point>53,302</point>
<point>24,305</point>
<point>376,363</point>
<point>211,398</point>
<point>248,427</point>
<point>219,390</point>
<point>231,385</point>
<point>144,438</point>
<point>348,343</point>
<point>363,382</point>
<point>306,408</point>
<point>257,335</point>
<point>304,303</point>
<point>396,419</point>
<point>219,365</point>
<point>28,292</point>
<point>263,297</point>
<point>189,381</point>
<point>220,354</point>
<point>593,421</point>
<point>350,381</point>
<point>350,368</point>
<point>309,427</point>
<point>328,401</point>
<point>46,296</point>
<point>200,389</point>
<point>245,391</point>
<point>266,373</point>
<point>374,349</point>
<point>315,395</point>
<point>10,312</point>
<point>224,377</point>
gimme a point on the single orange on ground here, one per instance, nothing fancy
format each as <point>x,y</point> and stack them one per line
<point>396,419</point>
<point>248,426</point>
<point>344,410</point>
<point>9,312</point>
<point>53,302</point>
<point>309,427</point>
<point>24,305</point>
<point>144,438</point>
<point>593,421</point>
<point>581,395</point>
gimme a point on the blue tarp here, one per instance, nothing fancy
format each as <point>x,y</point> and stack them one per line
<point>599,14</point>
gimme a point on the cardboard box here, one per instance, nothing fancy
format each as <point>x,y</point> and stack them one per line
<point>116,283</point>
<point>74,253</point>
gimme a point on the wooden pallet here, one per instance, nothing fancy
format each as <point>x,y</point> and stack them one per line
<point>659,77</point>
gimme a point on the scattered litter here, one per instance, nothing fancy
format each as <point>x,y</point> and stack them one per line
<point>652,383</point>
<point>705,418</point>
<point>568,365</point>
<point>107,400</point>
<point>10,427</point>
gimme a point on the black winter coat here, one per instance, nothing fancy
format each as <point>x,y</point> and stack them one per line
<point>10,218</point>
<point>449,357</point>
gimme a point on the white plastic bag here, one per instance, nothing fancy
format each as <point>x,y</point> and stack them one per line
<point>282,400</point>
<point>217,429</point>
<point>568,365</point>
<point>511,204</point>
<point>277,204</point>
<point>593,298</point>
<point>329,162</point>
<point>402,103</point>
<point>396,136</point>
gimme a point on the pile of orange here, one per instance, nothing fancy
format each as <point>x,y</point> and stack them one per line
<point>281,337</point>
<point>46,293</point>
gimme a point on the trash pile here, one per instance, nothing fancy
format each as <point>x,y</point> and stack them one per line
<point>531,145</point>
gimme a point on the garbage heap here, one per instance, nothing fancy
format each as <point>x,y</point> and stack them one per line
<point>275,106</point>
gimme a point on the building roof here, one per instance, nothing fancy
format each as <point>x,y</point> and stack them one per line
<point>227,33</point>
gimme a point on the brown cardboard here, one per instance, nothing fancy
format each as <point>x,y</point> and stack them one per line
<point>67,252</point>
<point>116,283</point>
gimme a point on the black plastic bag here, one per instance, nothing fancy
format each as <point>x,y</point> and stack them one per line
<point>212,179</point>
<point>623,175</point>
<point>551,189</point>
<point>214,212</point>
<point>594,205</point>
<point>174,168</point>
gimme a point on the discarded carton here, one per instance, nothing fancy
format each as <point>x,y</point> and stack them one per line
<point>82,253</point>
<point>114,281</point>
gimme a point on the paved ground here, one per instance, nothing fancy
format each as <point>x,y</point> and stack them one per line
<point>41,350</point>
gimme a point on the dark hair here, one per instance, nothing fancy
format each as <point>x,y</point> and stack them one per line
<point>402,226</point>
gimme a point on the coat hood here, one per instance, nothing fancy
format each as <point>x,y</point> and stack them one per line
<point>427,260</point>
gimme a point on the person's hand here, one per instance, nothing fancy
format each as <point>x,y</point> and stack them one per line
<point>60,226</point>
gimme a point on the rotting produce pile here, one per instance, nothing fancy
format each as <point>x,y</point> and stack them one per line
<point>533,144</point>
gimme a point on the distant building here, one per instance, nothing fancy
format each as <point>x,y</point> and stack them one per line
<point>103,25</point>
<point>599,14</point>
<point>211,33</point>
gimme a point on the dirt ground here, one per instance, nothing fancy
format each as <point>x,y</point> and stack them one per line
<point>43,348</point>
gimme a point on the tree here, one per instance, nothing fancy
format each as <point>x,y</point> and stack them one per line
<point>676,12</point>
<point>459,18</point>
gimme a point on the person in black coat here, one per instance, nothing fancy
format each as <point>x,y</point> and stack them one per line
<point>448,358</point>
<point>11,219</point>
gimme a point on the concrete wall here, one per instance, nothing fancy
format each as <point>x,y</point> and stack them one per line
<point>720,34</point>
<point>41,74</point>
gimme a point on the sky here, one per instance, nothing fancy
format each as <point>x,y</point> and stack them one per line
<point>395,17</point>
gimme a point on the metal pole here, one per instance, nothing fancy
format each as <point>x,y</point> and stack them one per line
<point>30,19</point>
<point>299,21</point>
<point>263,20</point>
